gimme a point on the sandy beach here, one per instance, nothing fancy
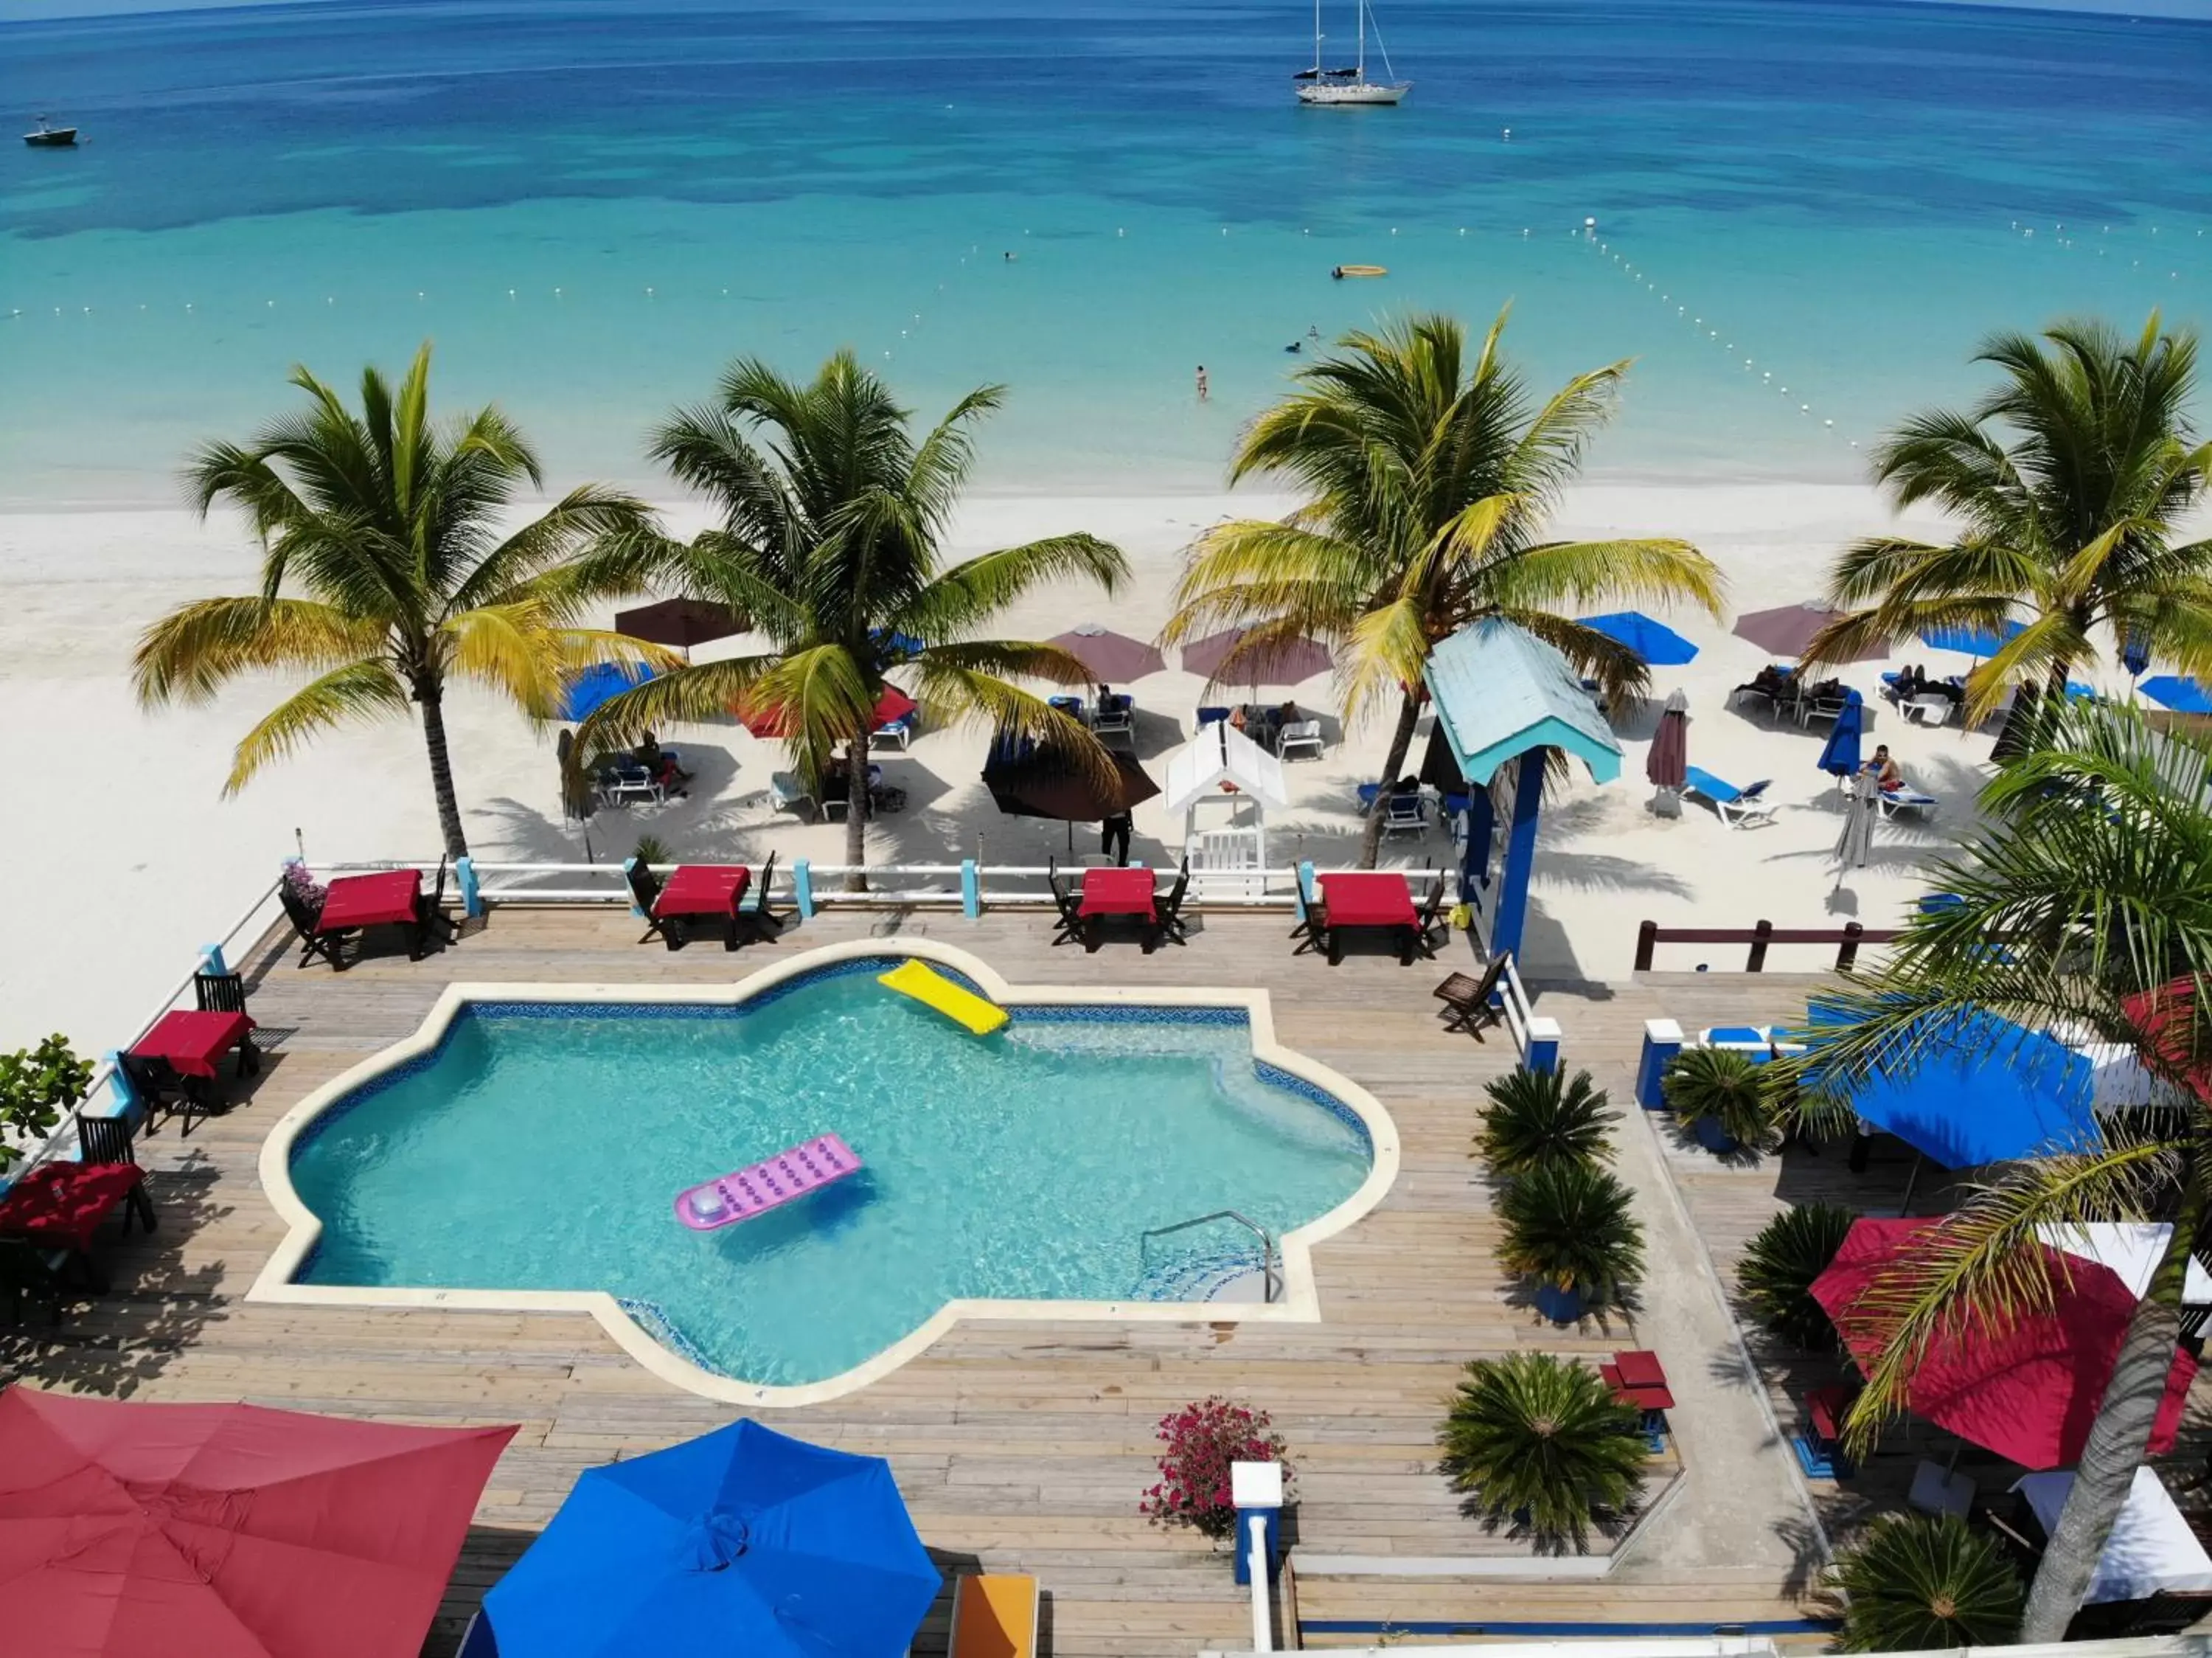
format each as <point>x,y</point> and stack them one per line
<point>133,858</point>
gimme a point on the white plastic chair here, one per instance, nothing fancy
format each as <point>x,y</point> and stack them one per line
<point>1930,710</point>
<point>1300,734</point>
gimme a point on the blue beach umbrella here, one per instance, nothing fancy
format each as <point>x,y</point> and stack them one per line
<point>600,683</point>
<point>2135,654</point>
<point>740,1541</point>
<point>1658,645</point>
<point>1970,640</point>
<point>2182,696</point>
<point>1973,1088</point>
<point>1840,759</point>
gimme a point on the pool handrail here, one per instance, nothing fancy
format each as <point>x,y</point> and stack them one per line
<point>1270,1287</point>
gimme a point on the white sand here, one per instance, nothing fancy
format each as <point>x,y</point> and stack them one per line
<point>124,856</point>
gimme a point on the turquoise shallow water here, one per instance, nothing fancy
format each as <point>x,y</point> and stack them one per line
<point>545,1153</point>
<point>590,207</point>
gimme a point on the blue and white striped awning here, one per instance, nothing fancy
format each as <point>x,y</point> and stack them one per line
<point>1500,691</point>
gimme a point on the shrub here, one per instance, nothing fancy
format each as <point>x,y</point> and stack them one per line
<point>1724,1087</point>
<point>1917,1582</point>
<point>1202,1441</point>
<point>1536,1119</point>
<point>1570,1227</point>
<point>1776,1275</point>
<point>651,851</point>
<point>1542,1441</point>
<point>37,1085</point>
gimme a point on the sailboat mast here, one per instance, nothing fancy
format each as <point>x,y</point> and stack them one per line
<point>1363,39</point>
<point>1316,40</point>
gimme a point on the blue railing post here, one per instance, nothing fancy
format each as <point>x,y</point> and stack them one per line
<point>1255,1489</point>
<point>128,1105</point>
<point>211,960</point>
<point>629,864</point>
<point>1543,1053</point>
<point>971,889</point>
<point>802,887</point>
<point>1305,886</point>
<point>465,872</point>
<point>1662,1041</point>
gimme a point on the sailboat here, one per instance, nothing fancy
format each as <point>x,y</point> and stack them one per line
<point>1350,86</point>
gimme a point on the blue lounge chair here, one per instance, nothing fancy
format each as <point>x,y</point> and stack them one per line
<point>1405,815</point>
<point>1895,800</point>
<point>1072,706</point>
<point>1735,807</point>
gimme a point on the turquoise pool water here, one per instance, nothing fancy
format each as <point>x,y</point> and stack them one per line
<point>542,1146</point>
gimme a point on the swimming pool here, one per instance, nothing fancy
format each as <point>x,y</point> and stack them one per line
<point>525,1147</point>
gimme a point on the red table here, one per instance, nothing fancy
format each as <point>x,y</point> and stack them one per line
<point>702,889</point>
<point>1638,1378</point>
<point>61,1206</point>
<point>388,898</point>
<point>194,1042</point>
<point>1118,893</point>
<point>1361,899</point>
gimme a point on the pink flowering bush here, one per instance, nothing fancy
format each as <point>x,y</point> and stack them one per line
<point>304,886</point>
<point>1202,1441</point>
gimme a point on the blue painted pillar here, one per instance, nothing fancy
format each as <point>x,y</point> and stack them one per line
<point>128,1105</point>
<point>211,960</point>
<point>802,887</point>
<point>1512,911</point>
<point>630,866</point>
<point>1305,888</point>
<point>971,889</point>
<point>465,872</point>
<point>1662,1041</point>
<point>1481,826</point>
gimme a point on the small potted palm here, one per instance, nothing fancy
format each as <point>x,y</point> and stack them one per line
<point>1537,1119</point>
<point>1915,1583</point>
<point>1542,1441</point>
<point>1778,1269</point>
<point>1568,1227</point>
<point>1720,1094</point>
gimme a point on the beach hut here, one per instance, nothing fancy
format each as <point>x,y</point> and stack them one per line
<point>1504,699</point>
<point>1222,785</point>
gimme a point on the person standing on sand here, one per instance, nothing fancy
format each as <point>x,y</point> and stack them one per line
<point>1201,383</point>
<point>1113,838</point>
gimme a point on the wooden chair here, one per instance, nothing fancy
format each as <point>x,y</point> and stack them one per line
<point>430,912</point>
<point>161,1089</point>
<point>645,893</point>
<point>303,916</point>
<point>756,919</point>
<point>104,1140</point>
<point>1167,912</point>
<point>1468,1001</point>
<point>1431,930</point>
<point>219,992</point>
<point>1065,900</point>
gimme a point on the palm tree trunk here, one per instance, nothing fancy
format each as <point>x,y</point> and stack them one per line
<point>2119,1438</point>
<point>1402,740</point>
<point>856,813</point>
<point>432,697</point>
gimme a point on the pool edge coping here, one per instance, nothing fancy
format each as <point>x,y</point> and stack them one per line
<point>1301,1302</point>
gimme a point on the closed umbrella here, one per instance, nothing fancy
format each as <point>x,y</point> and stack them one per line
<point>1284,662</point>
<point>2026,1386</point>
<point>1840,758</point>
<point>741,1541</point>
<point>1667,764</point>
<point>1856,845</point>
<point>227,1531</point>
<point>1787,631</point>
<point>1652,640</point>
<point>680,622</point>
<point>1110,657</point>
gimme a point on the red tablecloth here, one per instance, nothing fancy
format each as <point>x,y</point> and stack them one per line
<point>373,900</point>
<point>1116,893</point>
<point>1637,1378</point>
<point>61,1206</point>
<point>1360,899</point>
<point>193,1042</point>
<point>703,889</point>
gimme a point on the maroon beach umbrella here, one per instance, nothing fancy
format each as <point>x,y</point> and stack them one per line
<point>1109,656</point>
<point>1789,629</point>
<point>1286,661</point>
<point>1667,764</point>
<point>680,622</point>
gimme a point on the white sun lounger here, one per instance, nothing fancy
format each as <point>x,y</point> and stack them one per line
<point>1896,801</point>
<point>1736,806</point>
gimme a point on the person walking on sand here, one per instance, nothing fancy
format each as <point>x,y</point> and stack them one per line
<point>1202,387</point>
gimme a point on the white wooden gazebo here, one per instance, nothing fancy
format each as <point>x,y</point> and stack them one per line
<point>1225,784</point>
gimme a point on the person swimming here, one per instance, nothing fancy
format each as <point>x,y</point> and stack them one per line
<point>1295,346</point>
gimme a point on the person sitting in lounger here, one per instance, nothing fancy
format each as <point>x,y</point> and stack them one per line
<point>1885,768</point>
<point>660,765</point>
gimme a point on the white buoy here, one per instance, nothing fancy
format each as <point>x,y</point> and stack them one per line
<point>418,293</point>
<point>1590,225</point>
<point>557,293</point>
<point>1804,408</point>
<point>510,293</point>
<point>1509,135</point>
<point>1829,423</point>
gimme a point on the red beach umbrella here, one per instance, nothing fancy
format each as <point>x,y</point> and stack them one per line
<point>2027,1388</point>
<point>2167,1017</point>
<point>227,1531</point>
<point>1113,658</point>
<point>1788,630</point>
<point>1287,661</point>
<point>772,720</point>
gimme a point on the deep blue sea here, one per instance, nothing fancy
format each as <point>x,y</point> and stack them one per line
<point>590,206</point>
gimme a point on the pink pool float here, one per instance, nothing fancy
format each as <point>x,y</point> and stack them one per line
<point>759,1187</point>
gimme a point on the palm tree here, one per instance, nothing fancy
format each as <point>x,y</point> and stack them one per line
<point>1543,1440</point>
<point>2085,905</point>
<point>1570,1227</point>
<point>830,516</point>
<point>388,569</point>
<point>1536,1119</point>
<point>1779,1264</point>
<point>1428,480</point>
<point>1915,1583</point>
<point>1723,1093</point>
<point>2068,483</point>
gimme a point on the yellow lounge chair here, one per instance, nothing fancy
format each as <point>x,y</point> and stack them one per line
<point>995,1616</point>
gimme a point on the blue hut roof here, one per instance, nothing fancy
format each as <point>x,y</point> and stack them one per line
<point>1500,691</point>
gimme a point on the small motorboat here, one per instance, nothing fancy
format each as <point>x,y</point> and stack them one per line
<point>51,137</point>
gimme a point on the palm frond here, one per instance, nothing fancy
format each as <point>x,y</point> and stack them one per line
<point>358,691</point>
<point>189,654</point>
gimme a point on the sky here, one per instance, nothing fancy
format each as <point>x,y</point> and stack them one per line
<point>25,10</point>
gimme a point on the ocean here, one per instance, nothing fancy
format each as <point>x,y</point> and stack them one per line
<point>1798,218</point>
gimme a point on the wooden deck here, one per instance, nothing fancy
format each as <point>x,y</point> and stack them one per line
<point>1019,1445</point>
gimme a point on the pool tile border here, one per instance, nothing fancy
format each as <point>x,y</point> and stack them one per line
<point>1301,1302</point>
